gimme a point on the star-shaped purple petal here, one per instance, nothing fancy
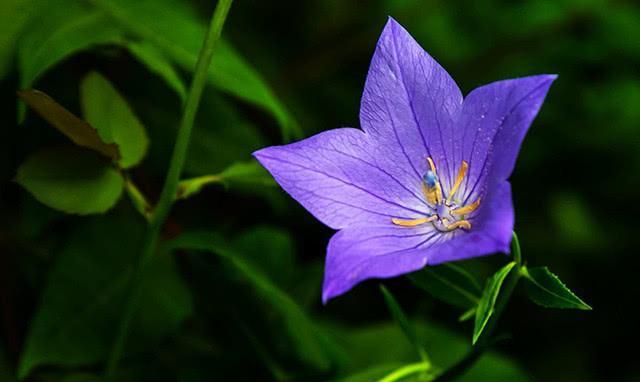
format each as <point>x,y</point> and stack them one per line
<point>425,180</point>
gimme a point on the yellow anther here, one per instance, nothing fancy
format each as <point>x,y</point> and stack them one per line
<point>461,174</point>
<point>466,209</point>
<point>413,222</point>
<point>431,165</point>
<point>459,224</point>
<point>433,194</point>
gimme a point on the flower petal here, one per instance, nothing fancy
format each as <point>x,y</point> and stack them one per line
<point>491,231</point>
<point>359,253</point>
<point>409,104</point>
<point>493,123</point>
<point>335,176</point>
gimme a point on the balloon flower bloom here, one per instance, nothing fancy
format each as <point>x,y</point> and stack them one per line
<point>425,181</point>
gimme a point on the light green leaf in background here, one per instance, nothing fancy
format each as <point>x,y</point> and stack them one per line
<point>249,174</point>
<point>58,30</point>
<point>105,109</point>
<point>467,315</point>
<point>72,180</point>
<point>545,289</point>
<point>404,324</point>
<point>178,31</point>
<point>216,146</point>
<point>157,63</point>
<point>14,14</point>
<point>374,350</point>
<point>488,300</point>
<point>76,129</point>
<point>373,373</point>
<point>449,283</point>
<point>84,295</point>
<point>270,249</point>
<point>308,341</point>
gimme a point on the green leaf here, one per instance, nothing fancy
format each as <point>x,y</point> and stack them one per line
<point>176,29</point>
<point>307,339</point>
<point>14,15</point>
<point>403,322</point>
<point>467,315</point>
<point>157,63</point>
<point>269,249</point>
<point>489,296</point>
<point>84,296</point>
<point>373,373</point>
<point>374,350</point>
<point>545,289</point>
<point>71,180</point>
<point>215,147</point>
<point>449,283</point>
<point>60,29</point>
<point>105,109</point>
<point>249,174</point>
<point>79,131</point>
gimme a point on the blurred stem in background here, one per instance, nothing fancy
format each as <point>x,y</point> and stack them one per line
<point>168,193</point>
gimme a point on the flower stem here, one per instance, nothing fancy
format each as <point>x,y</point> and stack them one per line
<point>168,193</point>
<point>405,371</point>
<point>485,340</point>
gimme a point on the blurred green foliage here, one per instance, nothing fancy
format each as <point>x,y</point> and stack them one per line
<point>241,300</point>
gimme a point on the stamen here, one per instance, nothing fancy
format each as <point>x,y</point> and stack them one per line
<point>464,224</point>
<point>413,222</point>
<point>466,209</point>
<point>461,174</point>
<point>444,213</point>
<point>431,186</point>
<point>431,164</point>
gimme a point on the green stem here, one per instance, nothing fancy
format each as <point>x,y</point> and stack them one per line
<point>189,187</point>
<point>484,342</point>
<point>138,199</point>
<point>168,193</point>
<point>405,371</point>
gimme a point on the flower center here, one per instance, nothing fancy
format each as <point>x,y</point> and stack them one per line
<point>446,214</point>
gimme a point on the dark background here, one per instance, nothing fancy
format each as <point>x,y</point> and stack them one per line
<point>575,193</point>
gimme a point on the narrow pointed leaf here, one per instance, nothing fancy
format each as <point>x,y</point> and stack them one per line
<point>14,15</point>
<point>402,321</point>
<point>378,349</point>
<point>74,324</point>
<point>306,336</point>
<point>489,296</point>
<point>177,30</point>
<point>79,131</point>
<point>71,180</point>
<point>469,314</point>
<point>106,110</point>
<point>545,289</point>
<point>59,30</point>
<point>449,283</point>
<point>157,63</point>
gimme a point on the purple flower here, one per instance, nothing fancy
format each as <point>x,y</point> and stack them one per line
<point>425,180</point>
